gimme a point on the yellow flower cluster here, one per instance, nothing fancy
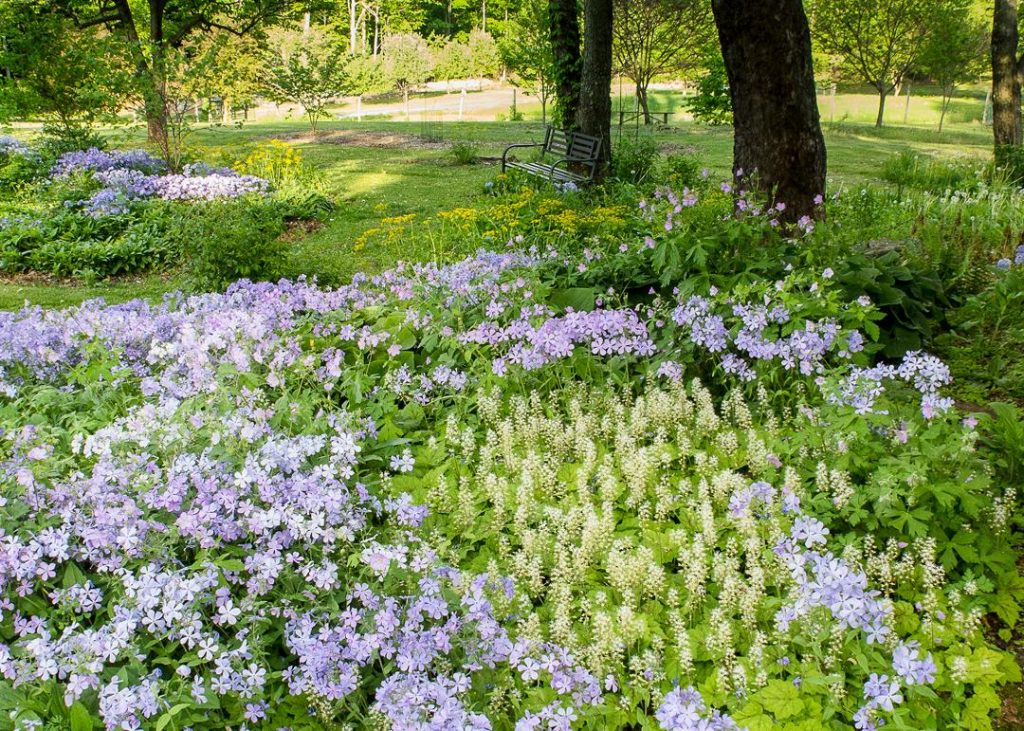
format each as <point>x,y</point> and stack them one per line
<point>276,161</point>
<point>528,210</point>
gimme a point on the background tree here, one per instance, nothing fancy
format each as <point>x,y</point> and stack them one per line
<point>1006,76</point>
<point>305,67</point>
<point>68,77</point>
<point>407,62</point>
<point>878,40</point>
<point>526,49</point>
<point>659,37</point>
<point>564,34</point>
<point>452,61</point>
<point>146,33</point>
<point>955,50</point>
<point>232,70</point>
<point>365,75</point>
<point>777,143</point>
<point>712,103</point>
<point>595,105</point>
<point>485,60</point>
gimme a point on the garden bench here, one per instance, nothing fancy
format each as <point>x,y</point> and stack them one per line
<point>573,150</point>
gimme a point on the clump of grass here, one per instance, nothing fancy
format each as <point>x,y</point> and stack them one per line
<point>464,153</point>
<point>909,169</point>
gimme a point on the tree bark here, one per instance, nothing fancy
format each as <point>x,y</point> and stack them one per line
<point>948,89</point>
<point>641,95</point>
<point>564,33</point>
<point>1006,115</point>
<point>880,118</point>
<point>595,112</point>
<point>778,145</point>
<point>156,101</point>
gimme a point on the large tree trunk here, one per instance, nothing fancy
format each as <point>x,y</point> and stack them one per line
<point>155,101</point>
<point>564,32</point>
<point>778,143</point>
<point>595,112</point>
<point>156,94</point>
<point>156,123</point>
<point>1006,116</point>
<point>880,118</point>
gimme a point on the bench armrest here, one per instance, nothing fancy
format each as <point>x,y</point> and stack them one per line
<point>504,155</point>
<point>590,161</point>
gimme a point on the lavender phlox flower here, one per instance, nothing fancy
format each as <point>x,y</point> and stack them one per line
<point>910,666</point>
<point>683,709</point>
<point>96,160</point>
<point>671,370</point>
<point>742,500</point>
<point>926,372</point>
<point>881,692</point>
<point>13,146</point>
<point>208,187</point>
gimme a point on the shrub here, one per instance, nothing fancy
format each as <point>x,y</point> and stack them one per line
<point>683,170</point>
<point>59,139</point>
<point>228,240</point>
<point>635,161</point>
<point>278,163</point>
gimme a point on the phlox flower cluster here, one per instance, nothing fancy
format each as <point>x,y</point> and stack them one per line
<point>213,186</point>
<point>123,186</point>
<point>96,160</point>
<point>530,345</point>
<point>743,336</point>
<point>13,146</point>
<point>419,635</point>
<point>860,387</point>
<point>683,709</point>
<point>288,509</point>
<point>746,334</point>
<point>1018,259</point>
<point>824,581</point>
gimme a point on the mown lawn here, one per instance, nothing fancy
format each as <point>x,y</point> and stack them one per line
<point>379,169</point>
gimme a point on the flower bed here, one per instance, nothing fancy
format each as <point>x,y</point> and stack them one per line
<point>395,503</point>
<point>95,213</point>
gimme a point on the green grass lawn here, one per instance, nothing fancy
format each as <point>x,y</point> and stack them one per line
<point>377,169</point>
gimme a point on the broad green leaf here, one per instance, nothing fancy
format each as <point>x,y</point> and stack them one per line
<point>81,719</point>
<point>780,698</point>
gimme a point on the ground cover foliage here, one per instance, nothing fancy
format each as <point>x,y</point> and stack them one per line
<point>93,214</point>
<point>646,460</point>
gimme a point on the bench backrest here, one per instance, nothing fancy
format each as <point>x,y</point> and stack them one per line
<point>557,142</point>
<point>573,145</point>
<point>584,147</point>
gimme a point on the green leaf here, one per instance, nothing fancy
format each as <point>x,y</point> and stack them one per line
<point>578,298</point>
<point>753,718</point>
<point>780,698</point>
<point>166,718</point>
<point>984,667</point>
<point>978,709</point>
<point>81,720</point>
<point>10,699</point>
